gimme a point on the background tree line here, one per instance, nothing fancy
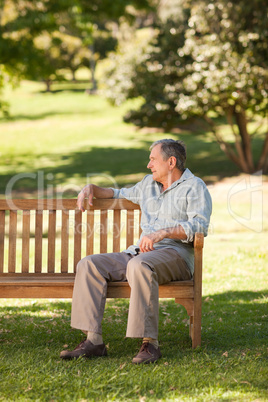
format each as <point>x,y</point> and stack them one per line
<point>40,40</point>
<point>183,59</point>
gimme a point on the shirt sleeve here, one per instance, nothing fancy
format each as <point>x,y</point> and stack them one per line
<point>199,208</point>
<point>134,193</point>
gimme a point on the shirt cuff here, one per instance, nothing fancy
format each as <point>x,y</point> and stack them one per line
<point>188,232</point>
<point>116,192</point>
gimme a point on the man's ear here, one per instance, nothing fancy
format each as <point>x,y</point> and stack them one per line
<point>172,161</point>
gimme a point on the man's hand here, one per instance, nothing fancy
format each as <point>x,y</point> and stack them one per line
<point>86,192</point>
<point>90,191</point>
<point>147,242</point>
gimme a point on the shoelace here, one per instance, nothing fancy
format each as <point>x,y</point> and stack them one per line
<point>80,344</point>
<point>144,347</point>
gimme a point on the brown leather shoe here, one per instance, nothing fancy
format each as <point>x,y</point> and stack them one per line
<point>147,354</point>
<point>85,349</point>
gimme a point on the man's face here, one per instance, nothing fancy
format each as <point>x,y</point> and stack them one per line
<point>159,167</point>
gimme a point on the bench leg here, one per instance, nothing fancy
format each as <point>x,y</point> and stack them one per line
<point>191,324</point>
<point>195,325</point>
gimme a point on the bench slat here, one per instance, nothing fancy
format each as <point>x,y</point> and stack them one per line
<point>103,231</point>
<point>64,241</point>
<point>61,204</point>
<point>38,241</point>
<point>90,233</point>
<point>116,230</point>
<point>12,241</point>
<point>130,228</point>
<point>51,241</point>
<point>2,239</point>
<point>61,285</point>
<point>25,241</point>
<point>77,237</point>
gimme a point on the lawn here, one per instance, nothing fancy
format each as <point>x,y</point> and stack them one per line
<point>67,137</point>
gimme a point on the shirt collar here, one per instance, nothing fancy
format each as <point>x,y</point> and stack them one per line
<point>187,174</point>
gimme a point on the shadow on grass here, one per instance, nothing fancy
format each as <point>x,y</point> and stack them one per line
<point>67,86</point>
<point>51,113</point>
<point>67,89</point>
<point>232,320</point>
<point>113,162</point>
<point>104,163</point>
<point>112,166</point>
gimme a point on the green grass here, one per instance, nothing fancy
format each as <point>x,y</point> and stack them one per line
<point>68,134</point>
<point>231,364</point>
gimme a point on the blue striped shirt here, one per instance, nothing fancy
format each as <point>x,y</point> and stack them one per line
<point>186,202</point>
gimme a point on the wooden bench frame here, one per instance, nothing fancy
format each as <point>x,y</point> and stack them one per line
<point>40,282</point>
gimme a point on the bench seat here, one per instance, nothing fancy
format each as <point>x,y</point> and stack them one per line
<point>61,286</point>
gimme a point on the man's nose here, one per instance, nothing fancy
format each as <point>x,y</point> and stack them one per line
<point>149,165</point>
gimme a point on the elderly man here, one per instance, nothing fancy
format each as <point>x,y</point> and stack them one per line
<point>175,205</point>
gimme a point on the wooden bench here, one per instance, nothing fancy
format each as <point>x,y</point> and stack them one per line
<point>41,242</point>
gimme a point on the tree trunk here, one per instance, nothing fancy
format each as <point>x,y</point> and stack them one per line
<point>263,161</point>
<point>48,85</point>
<point>245,138</point>
<point>238,143</point>
<point>93,69</point>
<point>226,147</point>
<point>242,154</point>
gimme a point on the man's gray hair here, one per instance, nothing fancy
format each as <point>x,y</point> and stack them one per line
<point>174,148</point>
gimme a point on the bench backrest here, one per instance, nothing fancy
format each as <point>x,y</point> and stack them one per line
<point>54,234</point>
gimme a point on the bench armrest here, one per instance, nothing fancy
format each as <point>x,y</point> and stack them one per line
<point>199,240</point>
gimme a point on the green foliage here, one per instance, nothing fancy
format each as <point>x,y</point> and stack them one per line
<point>228,76</point>
<point>3,105</point>
<point>39,39</point>
<point>147,69</point>
<point>20,23</point>
<point>122,70</point>
<point>228,43</point>
<point>209,62</point>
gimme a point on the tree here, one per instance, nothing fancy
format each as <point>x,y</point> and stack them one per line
<point>72,53</point>
<point>97,39</point>
<point>148,64</point>
<point>209,60</point>
<point>7,73</point>
<point>228,43</point>
<point>140,70</point>
<point>4,76</point>
<point>102,18</point>
<point>28,40</point>
<point>21,22</point>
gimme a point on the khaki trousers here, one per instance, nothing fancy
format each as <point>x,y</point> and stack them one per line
<point>143,272</point>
